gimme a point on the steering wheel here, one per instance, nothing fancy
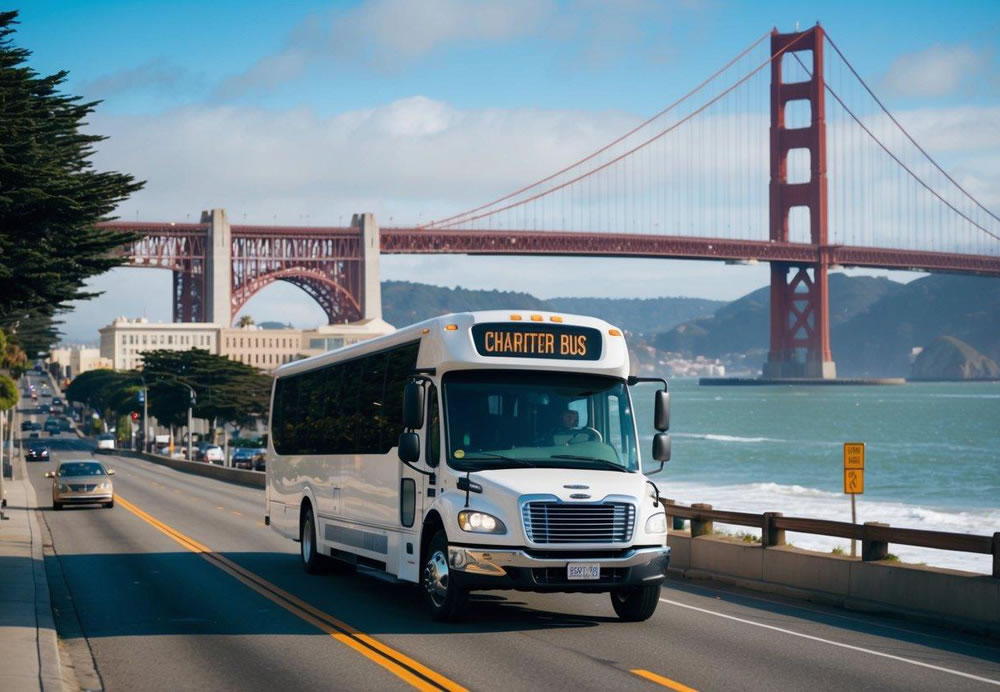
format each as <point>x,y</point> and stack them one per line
<point>593,435</point>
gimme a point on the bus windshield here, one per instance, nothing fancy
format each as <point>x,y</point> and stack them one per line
<point>518,418</point>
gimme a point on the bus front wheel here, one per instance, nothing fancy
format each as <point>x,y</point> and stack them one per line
<point>446,599</point>
<point>637,603</point>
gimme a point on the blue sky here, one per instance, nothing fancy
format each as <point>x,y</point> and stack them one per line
<point>255,106</point>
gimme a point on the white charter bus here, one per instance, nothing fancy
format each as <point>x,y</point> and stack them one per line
<point>483,450</point>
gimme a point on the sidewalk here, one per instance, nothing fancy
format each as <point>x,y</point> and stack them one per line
<point>29,653</point>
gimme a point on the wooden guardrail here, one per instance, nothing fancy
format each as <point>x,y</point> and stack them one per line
<point>875,537</point>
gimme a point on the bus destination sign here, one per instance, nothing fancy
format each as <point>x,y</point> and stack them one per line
<point>501,339</point>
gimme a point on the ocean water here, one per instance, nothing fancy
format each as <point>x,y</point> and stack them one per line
<point>932,456</point>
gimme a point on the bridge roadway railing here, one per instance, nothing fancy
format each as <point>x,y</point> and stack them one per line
<point>875,537</point>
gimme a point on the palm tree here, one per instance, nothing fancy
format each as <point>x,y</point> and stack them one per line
<point>245,321</point>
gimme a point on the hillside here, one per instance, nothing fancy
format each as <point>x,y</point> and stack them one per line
<point>875,323</point>
<point>743,326</point>
<point>948,358</point>
<point>405,302</point>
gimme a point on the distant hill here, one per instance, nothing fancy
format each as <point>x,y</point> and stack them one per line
<point>743,326</point>
<point>875,323</point>
<point>641,315</point>
<point>404,303</point>
<point>879,340</point>
<point>948,358</point>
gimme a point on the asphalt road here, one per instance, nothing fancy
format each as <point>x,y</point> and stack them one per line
<point>180,586</point>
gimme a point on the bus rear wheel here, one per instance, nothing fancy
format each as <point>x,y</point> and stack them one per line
<point>445,598</point>
<point>637,603</point>
<point>313,562</point>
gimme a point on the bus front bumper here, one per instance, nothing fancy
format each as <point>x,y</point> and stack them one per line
<point>531,570</point>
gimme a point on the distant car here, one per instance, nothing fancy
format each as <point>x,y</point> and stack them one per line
<point>32,434</point>
<point>260,464</point>
<point>56,401</point>
<point>105,441</point>
<point>26,425</point>
<point>82,482</point>
<point>44,408</point>
<point>35,425</point>
<point>37,451</point>
<point>246,457</point>
<point>213,454</point>
<point>34,394</point>
<point>52,426</point>
<point>46,394</point>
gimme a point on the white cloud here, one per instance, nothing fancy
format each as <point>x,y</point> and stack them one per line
<point>939,70</point>
<point>387,34</point>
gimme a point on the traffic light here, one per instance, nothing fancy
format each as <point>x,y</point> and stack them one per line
<point>135,415</point>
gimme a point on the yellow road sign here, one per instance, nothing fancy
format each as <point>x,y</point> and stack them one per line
<point>854,455</point>
<point>854,481</point>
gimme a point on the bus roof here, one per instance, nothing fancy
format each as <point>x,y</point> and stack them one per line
<point>507,339</point>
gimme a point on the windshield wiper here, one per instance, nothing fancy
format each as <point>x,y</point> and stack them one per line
<point>485,456</point>
<point>607,464</point>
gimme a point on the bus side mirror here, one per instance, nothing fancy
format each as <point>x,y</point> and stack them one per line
<point>661,447</point>
<point>409,447</point>
<point>413,406</point>
<point>661,412</point>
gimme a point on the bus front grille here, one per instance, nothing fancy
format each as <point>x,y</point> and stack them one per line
<point>557,522</point>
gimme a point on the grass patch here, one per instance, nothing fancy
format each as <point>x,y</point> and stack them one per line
<point>891,558</point>
<point>838,550</point>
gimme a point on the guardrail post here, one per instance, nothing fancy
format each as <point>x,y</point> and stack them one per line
<point>674,523</point>
<point>872,550</point>
<point>996,554</point>
<point>770,535</point>
<point>701,527</point>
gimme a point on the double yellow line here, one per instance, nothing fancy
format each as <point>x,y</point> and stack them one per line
<point>401,665</point>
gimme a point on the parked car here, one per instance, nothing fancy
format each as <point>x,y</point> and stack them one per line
<point>82,482</point>
<point>210,453</point>
<point>37,451</point>
<point>247,457</point>
<point>105,441</point>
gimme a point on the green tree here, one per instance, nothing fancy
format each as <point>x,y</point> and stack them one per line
<point>51,198</point>
<point>244,321</point>
<point>8,393</point>
<point>227,390</point>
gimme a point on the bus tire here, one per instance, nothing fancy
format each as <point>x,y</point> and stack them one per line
<point>637,603</point>
<point>313,562</point>
<point>445,598</point>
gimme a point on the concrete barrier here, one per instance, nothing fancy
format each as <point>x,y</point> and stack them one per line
<point>252,479</point>
<point>970,601</point>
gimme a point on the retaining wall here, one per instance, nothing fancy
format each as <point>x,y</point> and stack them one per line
<point>959,598</point>
<point>253,479</point>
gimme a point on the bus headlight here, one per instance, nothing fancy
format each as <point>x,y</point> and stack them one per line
<point>656,524</point>
<point>480,522</point>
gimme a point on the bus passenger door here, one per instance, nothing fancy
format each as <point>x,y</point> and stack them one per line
<point>416,489</point>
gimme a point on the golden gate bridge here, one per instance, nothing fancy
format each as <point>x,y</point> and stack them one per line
<point>784,155</point>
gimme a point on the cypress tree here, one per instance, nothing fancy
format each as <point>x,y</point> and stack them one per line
<point>51,198</point>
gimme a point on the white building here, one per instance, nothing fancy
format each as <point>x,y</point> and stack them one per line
<point>79,359</point>
<point>124,340</point>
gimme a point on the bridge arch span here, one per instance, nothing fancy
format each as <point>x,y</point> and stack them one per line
<point>336,300</point>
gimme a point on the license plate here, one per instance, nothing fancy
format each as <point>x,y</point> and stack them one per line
<point>583,570</point>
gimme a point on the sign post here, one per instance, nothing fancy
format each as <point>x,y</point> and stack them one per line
<point>854,479</point>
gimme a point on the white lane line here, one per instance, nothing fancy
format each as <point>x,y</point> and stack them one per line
<point>951,671</point>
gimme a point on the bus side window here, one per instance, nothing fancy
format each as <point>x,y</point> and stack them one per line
<point>433,452</point>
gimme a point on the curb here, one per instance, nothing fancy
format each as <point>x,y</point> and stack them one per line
<point>49,660</point>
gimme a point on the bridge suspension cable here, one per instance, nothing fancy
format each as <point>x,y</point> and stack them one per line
<point>723,128</point>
